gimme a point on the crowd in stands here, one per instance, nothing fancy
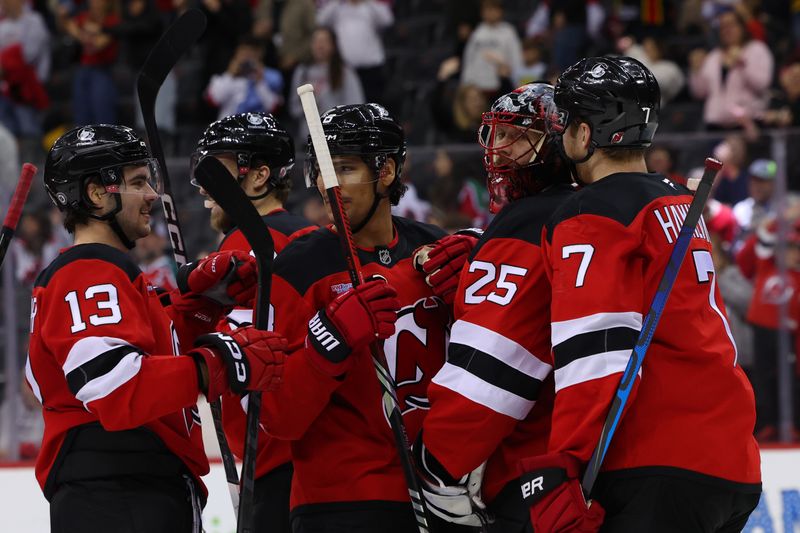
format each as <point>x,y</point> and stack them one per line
<point>727,68</point>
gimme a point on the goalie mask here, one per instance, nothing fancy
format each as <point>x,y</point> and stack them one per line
<point>251,139</point>
<point>99,152</point>
<point>519,156</point>
<point>369,132</point>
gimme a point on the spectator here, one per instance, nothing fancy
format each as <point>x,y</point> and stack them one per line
<point>456,109</point>
<point>493,50</point>
<point>334,82</point>
<point>228,20</point>
<point>659,160</point>
<point>357,24</point>
<point>9,166</point>
<point>297,24</point>
<point>25,65</point>
<point>751,211</point>
<point>669,76</point>
<point>737,292</point>
<point>462,16</point>
<point>784,107</point>
<point>150,254</point>
<point>35,246</point>
<point>733,78</point>
<point>533,67</point>
<point>94,95</point>
<point>247,86</point>
<point>771,291</point>
<point>444,189</point>
<point>731,184</point>
<point>262,19</point>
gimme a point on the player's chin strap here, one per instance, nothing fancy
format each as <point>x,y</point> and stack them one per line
<point>573,163</point>
<point>111,218</point>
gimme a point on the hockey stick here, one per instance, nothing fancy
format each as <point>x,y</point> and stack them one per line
<point>390,404</point>
<point>217,180</point>
<point>650,323</point>
<point>175,42</point>
<point>15,208</point>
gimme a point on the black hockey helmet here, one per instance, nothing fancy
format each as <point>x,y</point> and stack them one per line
<point>367,131</point>
<point>87,151</point>
<point>249,136</point>
<point>617,96</point>
<point>99,151</point>
<point>520,116</point>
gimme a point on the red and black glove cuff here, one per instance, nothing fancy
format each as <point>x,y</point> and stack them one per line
<point>236,364</point>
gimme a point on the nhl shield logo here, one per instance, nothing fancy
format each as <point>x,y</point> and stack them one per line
<point>384,256</point>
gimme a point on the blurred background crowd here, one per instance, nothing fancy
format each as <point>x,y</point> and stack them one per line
<point>729,72</point>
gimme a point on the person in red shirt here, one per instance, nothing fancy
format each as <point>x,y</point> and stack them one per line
<point>683,457</point>
<point>94,94</point>
<point>259,154</point>
<point>111,359</point>
<point>491,401</point>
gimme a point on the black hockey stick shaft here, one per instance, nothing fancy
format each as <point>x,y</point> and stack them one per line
<point>215,178</point>
<point>15,208</point>
<point>176,41</point>
<point>390,404</point>
<point>649,324</point>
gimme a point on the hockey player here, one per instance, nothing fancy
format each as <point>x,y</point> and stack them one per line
<point>347,472</point>
<point>684,457</point>
<point>259,154</point>
<point>491,402</point>
<point>122,449</point>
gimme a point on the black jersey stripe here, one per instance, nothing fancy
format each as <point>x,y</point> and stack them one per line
<point>96,367</point>
<point>100,252</point>
<point>493,371</point>
<point>594,342</point>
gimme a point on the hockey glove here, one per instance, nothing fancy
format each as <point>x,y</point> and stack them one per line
<point>247,359</point>
<point>551,487</point>
<point>226,278</point>
<point>458,504</point>
<point>444,262</point>
<point>352,321</point>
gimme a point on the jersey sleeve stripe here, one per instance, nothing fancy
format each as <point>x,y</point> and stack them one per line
<point>482,392</point>
<point>588,368</point>
<point>566,329</point>
<point>594,342</point>
<point>494,371</point>
<point>32,380</point>
<point>96,366</point>
<point>499,347</point>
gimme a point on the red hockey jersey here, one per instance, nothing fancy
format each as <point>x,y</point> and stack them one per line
<point>492,399</point>
<point>103,350</point>
<point>692,410</point>
<point>283,226</point>
<point>342,445</point>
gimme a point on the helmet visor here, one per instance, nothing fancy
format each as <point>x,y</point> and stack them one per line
<point>139,177</point>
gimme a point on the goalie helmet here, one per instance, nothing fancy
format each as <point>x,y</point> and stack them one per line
<point>249,137</point>
<point>367,131</point>
<point>617,96</point>
<point>88,151</point>
<point>519,156</point>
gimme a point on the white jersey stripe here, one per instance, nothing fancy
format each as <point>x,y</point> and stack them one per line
<point>500,347</point>
<point>479,391</point>
<point>588,368</point>
<point>32,380</point>
<point>567,329</point>
<point>90,348</point>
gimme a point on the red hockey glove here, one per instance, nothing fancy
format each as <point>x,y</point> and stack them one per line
<point>353,320</point>
<point>227,278</point>
<point>444,264</point>
<point>248,359</point>
<point>551,487</point>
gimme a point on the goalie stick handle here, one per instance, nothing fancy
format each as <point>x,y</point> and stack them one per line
<point>344,231</point>
<point>649,324</point>
<point>15,207</point>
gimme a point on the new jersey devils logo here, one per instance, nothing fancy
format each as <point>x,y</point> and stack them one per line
<point>417,350</point>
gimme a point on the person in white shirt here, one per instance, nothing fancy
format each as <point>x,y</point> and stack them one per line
<point>493,50</point>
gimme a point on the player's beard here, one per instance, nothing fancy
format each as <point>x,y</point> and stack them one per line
<point>220,220</point>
